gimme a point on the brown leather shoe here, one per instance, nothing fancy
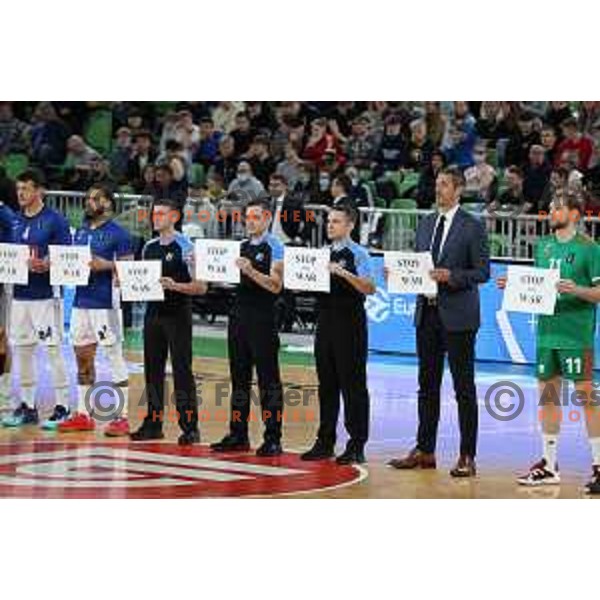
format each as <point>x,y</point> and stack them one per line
<point>415,459</point>
<point>465,467</point>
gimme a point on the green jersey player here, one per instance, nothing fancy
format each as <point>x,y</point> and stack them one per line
<point>565,339</point>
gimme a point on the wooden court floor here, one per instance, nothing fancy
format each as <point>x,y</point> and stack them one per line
<point>375,480</point>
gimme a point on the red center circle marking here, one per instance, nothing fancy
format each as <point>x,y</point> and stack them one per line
<point>158,470</point>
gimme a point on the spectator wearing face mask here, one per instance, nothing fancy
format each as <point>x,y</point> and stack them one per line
<point>245,186</point>
<point>480,179</point>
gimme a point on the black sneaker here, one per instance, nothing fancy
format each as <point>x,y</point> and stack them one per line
<point>270,448</point>
<point>187,438</point>
<point>145,433</point>
<point>540,474</point>
<point>59,414</point>
<point>22,415</point>
<point>593,485</point>
<point>231,443</point>
<point>353,454</point>
<point>320,451</point>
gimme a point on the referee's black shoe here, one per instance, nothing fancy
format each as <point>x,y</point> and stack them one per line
<point>231,443</point>
<point>353,454</point>
<point>320,451</point>
<point>187,438</point>
<point>270,448</point>
<point>146,433</point>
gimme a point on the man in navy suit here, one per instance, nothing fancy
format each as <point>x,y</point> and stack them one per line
<point>448,322</point>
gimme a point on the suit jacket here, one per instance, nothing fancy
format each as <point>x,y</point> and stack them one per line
<point>465,254</point>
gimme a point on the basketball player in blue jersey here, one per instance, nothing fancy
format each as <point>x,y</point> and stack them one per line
<point>35,315</point>
<point>96,318</point>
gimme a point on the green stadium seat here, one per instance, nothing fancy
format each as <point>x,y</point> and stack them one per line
<point>379,202</point>
<point>404,204</point>
<point>15,164</point>
<point>499,244</point>
<point>409,182</point>
<point>98,131</point>
<point>197,174</point>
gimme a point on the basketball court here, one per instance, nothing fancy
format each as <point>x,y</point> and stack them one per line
<point>39,464</point>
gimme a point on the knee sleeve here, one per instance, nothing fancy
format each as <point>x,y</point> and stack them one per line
<point>57,367</point>
<point>86,367</point>
<point>26,359</point>
<point>118,367</point>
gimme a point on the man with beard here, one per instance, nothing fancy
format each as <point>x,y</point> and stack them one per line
<point>565,339</point>
<point>96,317</point>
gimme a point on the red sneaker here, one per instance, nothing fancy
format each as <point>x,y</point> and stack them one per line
<point>117,428</point>
<point>78,422</point>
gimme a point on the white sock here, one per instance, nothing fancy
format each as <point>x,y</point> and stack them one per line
<point>595,446</point>
<point>62,396</point>
<point>5,384</point>
<point>28,395</point>
<point>125,412</point>
<point>82,391</point>
<point>550,441</point>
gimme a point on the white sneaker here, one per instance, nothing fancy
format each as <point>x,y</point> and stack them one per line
<point>539,474</point>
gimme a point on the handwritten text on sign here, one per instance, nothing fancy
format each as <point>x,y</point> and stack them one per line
<point>307,269</point>
<point>69,265</point>
<point>409,273</point>
<point>140,280</point>
<point>13,264</point>
<point>530,290</point>
<point>215,261</point>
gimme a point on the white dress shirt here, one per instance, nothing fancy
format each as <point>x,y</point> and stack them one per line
<point>447,224</point>
<point>277,229</point>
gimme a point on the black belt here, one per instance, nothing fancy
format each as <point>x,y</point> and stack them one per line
<point>431,301</point>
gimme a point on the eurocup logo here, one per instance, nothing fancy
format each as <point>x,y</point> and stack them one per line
<point>379,306</point>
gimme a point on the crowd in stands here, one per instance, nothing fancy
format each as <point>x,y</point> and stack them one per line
<point>383,154</point>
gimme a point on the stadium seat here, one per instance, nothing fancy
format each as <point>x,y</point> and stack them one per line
<point>197,174</point>
<point>380,202</point>
<point>15,164</point>
<point>98,131</point>
<point>404,204</point>
<point>408,184</point>
<point>499,244</point>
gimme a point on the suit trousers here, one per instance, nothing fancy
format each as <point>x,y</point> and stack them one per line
<point>433,343</point>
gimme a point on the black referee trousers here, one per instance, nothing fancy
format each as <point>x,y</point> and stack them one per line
<point>341,358</point>
<point>166,334</point>
<point>253,341</point>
